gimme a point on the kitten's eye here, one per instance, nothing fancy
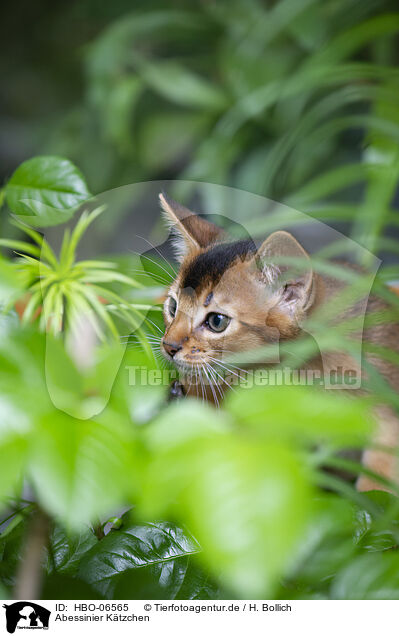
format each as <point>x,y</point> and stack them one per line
<point>217,322</point>
<point>172,306</point>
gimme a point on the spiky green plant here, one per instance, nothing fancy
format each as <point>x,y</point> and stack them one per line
<point>60,291</point>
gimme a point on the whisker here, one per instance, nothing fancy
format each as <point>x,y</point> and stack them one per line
<point>157,277</point>
<point>169,274</point>
<point>227,366</point>
<point>141,255</point>
<point>202,385</point>
<point>224,351</point>
<point>207,371</point>
<point>144,272</point>
<point>157,250</point>
<point>223,380</point>
<point>148,336</point>
<point>190,378</point>
<point>207,378</point>
<point>216,383</point>
<point>154,324</point>
<point>291,353</point>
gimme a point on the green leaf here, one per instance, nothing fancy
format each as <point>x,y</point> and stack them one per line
<point>10,283</point>
<point>81,393</point>
<point>4,594</point>
<point>189,421</point>
<point>65,587</point>
<point>46,251</point>
<point>197,584</point>
<point>181,86</point>
<point>22,379</point>
<point>20,246</point>
<point>166,138</point>
<point>188,582</point>
<point>369,576</point>
<point>46,191</point>
<point>332,181</point>
<point>247,505</point>
<point>13,450</point>
<point>327,543</point>
<point>15,431</point>
<point>344,43</point>
<point>81,469</point>
<point>118,106</point>
<point>64,382</point>
<point>379,531</point>
<point>301,413</point>
<point>11,541</point>
<point>110,51</point>
<point>244,499</point>
<point>70,244</point>
<point>158,550</point>
<point>67,549</point>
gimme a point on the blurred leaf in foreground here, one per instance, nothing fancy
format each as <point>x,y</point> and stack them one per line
<point>9,281</point>
<point>369,576</point>
<point>301,413</point>
<point>245,499</point>
<point>81,469</point>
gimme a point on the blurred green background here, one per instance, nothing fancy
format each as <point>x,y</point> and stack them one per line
<point>294,100</point>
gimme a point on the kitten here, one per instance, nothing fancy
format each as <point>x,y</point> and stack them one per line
<point>230,297</point>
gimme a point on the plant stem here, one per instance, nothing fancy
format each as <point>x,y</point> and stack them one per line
<point>29,576</point>
<point>98,529</point>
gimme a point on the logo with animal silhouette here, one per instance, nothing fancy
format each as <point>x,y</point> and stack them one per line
<point>26,615</point>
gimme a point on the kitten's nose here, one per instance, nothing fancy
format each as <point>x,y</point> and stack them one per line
<point>172,348</point>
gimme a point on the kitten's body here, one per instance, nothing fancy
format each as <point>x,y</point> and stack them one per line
<point>232,297</point>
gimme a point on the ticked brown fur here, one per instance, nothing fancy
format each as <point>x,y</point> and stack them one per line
<point>266,301</point>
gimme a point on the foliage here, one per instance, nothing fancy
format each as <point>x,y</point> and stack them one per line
<point>293,100</point>
<point>62,292</point>
<point>248,499</point>
<point>45,191</point>
<point>246,491</point>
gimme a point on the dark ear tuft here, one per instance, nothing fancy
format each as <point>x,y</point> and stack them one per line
<point>191,232</point>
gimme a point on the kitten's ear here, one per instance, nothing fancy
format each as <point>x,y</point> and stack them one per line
<point>191,232</point>
<point>292,282</point>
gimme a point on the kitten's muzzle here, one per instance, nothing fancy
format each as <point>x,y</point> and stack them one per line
<point>171,348</point>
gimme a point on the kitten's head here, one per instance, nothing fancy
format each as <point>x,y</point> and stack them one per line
<point>230,296</point>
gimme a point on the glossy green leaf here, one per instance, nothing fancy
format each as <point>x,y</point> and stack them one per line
<point>198,584</point>
<point>378,531</point>
<point>67,549</point>
<point>46,191</point>
<point>156,553</point>
<point>64,587</point>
